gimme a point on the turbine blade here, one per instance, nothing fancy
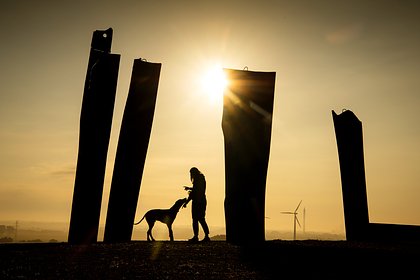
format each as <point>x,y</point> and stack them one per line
<point>298,206</point>
<point>297,220</point>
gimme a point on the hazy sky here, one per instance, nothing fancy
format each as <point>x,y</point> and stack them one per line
<point>328,55</point>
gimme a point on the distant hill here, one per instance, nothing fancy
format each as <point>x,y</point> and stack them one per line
<point>219,237</point>
<point>309,235</point>
<point>58,232</point>
<point>29,231</point>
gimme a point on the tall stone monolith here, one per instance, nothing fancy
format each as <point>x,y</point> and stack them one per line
<point>348,131</point>
<point>246,123</point>
<point>95,128</point>
<point>131,152</point>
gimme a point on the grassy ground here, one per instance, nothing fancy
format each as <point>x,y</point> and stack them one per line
<point>214,260</point>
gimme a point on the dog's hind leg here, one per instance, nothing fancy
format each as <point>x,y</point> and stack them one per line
<point>149,231</point>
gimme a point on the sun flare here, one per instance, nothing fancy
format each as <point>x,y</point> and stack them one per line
<point>213,82</point>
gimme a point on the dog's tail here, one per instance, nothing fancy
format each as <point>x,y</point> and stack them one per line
<point>140,220</point>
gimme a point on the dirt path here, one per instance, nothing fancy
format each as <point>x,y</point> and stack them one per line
<point>213,260</point>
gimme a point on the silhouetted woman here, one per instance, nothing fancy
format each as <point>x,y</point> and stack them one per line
<point>197,193</point>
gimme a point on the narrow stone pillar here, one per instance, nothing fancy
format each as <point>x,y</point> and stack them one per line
<point>95,128</point>
<point>131,152</point>
<point>246,123</point>
<point>348,131</point>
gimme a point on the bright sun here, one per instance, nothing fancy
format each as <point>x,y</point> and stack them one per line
<point>213,83</point>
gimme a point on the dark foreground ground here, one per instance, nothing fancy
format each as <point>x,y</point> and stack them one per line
<point>213,260</point>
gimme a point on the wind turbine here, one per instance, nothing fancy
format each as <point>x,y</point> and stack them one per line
<point>295,219</point>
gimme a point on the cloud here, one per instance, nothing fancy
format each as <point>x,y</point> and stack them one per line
<point>64,171</point>
<point>345,34</point>
<point>54,170</point>
<point>29,202</point>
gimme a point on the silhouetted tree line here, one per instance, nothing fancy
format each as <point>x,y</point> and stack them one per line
<point>6,230</point>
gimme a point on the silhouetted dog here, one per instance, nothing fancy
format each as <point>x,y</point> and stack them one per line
<point>166,216</point>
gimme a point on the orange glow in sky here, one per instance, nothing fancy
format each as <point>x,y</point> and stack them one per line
<point>327,55</point>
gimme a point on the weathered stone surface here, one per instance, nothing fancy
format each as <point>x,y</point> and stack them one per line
<point>131,152</point>
<point>246,123</point>
<point>95,128</point>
